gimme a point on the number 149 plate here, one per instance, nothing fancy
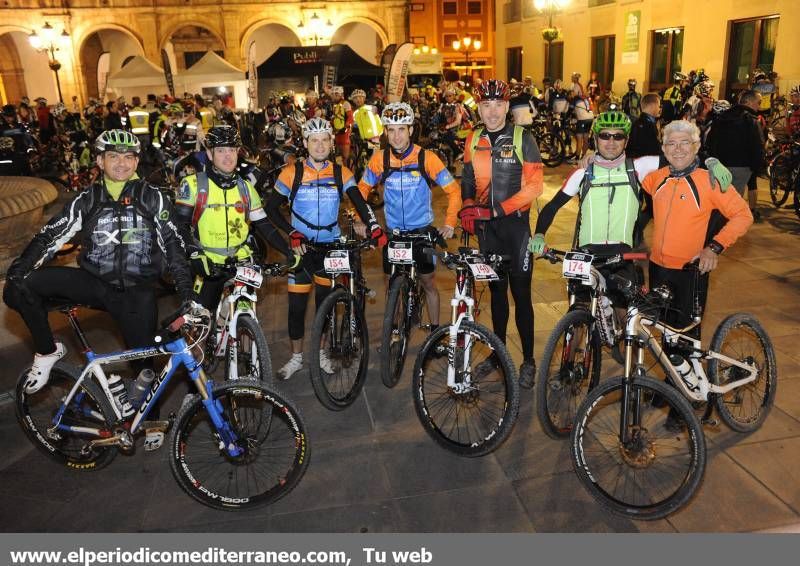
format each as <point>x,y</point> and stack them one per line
<point>578,266</point>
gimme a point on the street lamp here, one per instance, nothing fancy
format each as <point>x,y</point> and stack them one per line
<point>318,31</point>
<point>469,45</point>
<point>550,8</point>
<point>46,41</point>
<point>425,49</point>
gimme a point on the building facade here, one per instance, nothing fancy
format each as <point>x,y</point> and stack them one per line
<point>184,29</point>
<point>438,23</point>
<point>648,40</point>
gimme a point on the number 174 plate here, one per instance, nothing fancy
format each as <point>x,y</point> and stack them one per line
<point>578,266</point>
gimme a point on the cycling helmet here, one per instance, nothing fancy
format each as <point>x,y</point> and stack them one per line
<point>720,106</point>
<point>223,136</point>
<point>576,75</point>
<point>120,141</point>
<point>6,143</point>
<point>612,120</point>
<point>397,114</point>
<point>9,110</point>
<point>632,82</point>
<point>59,109</point>
<point>175,108</point>
<point>317,126</point>
<point>678,77</point>
<point>492,89</point>
<point>704,88</point>
<point>357,92</point>
<point>759,75</point>
<point>338,90</point>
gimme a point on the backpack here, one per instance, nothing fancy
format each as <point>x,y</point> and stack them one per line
<point>299,168</point>
<point>476,136</point>
<point>202,196</point>
<point>388,169</point>
<point>633,181</point>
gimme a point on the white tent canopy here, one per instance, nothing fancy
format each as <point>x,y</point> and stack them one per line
<point>214,71</point>
<point>139,72</point>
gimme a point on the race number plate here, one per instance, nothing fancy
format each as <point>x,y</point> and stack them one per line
<point>337,261</point>
<point>400,252</point>
<point>578,266</point>
<point>483,272</point>
<point>249,275</point>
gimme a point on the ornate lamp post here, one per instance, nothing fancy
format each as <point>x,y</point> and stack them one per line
<point>318,31</point>
<point>468,44</point>
<point>425,49</point>
<point>550,8</point>
<point>47,41</point>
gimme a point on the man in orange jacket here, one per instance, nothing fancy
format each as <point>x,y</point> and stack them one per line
<point>684,197</point>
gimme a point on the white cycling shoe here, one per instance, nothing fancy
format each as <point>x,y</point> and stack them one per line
<point>291,367</point>
<point>39,373</point>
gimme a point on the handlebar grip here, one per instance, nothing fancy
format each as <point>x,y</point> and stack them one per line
<point>634,256</point>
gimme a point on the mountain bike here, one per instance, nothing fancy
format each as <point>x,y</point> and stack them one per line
<point>572,357</point>
<point>405,301</point>
<point>236,335</point>
<point>234,445</point>
<point>783,171</point>
<point>637,445</point>
<point>465,386</point>
<point>340,329</point>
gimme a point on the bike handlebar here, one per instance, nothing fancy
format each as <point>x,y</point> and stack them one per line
<point>553,256</point>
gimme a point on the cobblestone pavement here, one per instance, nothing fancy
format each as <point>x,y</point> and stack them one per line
<point>373,468</point>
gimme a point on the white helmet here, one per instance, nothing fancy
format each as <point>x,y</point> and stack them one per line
<point>317,126</point>
<point>397,114</point>
<point>338,90</point>
<point>357,92</point>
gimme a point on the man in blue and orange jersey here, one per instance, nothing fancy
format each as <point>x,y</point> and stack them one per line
<point>502,177</point>
<point>407,173</point>
<point>314,188</point>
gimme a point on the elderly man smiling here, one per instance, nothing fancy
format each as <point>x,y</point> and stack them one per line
<point>684,197</point>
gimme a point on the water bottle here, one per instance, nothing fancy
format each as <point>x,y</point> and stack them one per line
<point>142,384</point>
<point>117,388</point>
<point>685,371</point>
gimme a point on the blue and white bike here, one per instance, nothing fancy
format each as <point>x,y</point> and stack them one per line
<point>235,445</point>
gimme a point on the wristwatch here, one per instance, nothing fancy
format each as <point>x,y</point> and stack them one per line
<point>715,247</point>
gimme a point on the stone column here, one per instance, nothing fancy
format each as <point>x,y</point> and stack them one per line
<point>22,200</point>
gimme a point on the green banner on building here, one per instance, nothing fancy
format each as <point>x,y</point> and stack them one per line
<point>630,44</point>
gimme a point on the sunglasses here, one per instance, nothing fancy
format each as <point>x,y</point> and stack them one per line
<point>605,136</point>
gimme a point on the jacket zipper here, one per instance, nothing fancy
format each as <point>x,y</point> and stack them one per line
<point>666,220</point>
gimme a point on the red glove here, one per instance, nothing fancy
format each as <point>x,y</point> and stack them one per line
<point>297,239</point>
<point>379,236</point>
<point>469,214</point>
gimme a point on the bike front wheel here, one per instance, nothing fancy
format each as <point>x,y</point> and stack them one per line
<point>396,331</point>
<point>551,148</point>
<point>85,419</point>
<point>252,352</point>
<point>741,337</point>
<point>268,430</point>
<point>638,448</point>
<point>339,351</point>
<point>477,412</point>
<point>570,368</point>
<point>780,175</point>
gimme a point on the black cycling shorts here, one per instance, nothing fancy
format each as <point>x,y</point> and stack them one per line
<point>425,264</point>
<point>311,271</point>
<point>508,235</point>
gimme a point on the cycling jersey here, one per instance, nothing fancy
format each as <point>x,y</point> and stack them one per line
<point>406,193</point>
<point>123,242</point>
<point>317,200</point>
<point>682,208</point>
<point>496,178</point>
<point>222,228</point>
<point>368,122</point>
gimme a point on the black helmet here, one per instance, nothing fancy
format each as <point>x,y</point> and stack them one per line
<point>9,110</point>
<point>223,136</point>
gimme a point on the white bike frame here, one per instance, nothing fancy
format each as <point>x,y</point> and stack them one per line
<point>230,309</point>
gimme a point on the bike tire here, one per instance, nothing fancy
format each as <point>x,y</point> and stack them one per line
<point>485,429</point>
<point>255,361</point>
<point>396,331</point>
<point>89,408</point>
<point>633,478</point>
<point>339,390</point>
<point>271,430</point>
<point>561,390</point>
<point>551,148</point>
<point>745,408</point>
<point>780,175</point>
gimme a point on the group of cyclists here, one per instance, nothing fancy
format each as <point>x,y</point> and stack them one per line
<point>130,231</point>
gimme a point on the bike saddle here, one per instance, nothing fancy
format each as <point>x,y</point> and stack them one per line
<point>61,304</point>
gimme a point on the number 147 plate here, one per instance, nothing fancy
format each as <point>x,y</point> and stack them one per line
<point>578,266</point>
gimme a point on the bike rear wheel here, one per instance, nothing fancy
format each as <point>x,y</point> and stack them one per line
<point>478,413</point>
<point>268,428</point>
<point>570,368</point>
<point>88,410</point>
<point>551,149</point>
<point>657,466</point>
<point>396,331</point>
<point>741,337</point>
<point>252,359</point>
<point>340,331</point>
<point>780,175</point>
